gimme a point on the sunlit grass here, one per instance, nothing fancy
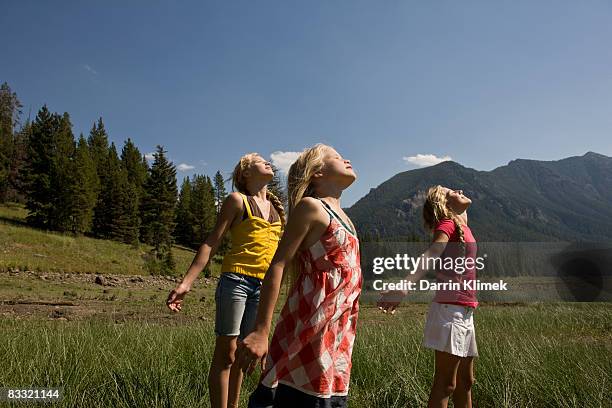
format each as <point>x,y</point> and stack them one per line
<point>554,355</point>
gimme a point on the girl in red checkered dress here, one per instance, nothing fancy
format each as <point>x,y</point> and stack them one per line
<point>308,363</point>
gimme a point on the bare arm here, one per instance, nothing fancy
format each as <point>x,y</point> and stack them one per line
<point>232,206</point>
<point>390,300</point>
<point>434,251</point>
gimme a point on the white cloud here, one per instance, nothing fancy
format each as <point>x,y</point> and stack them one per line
<point>284,160</point>
<point>90,69</point>
<point>185,167</point>
<point>150,156</point>
<point>424,160</point>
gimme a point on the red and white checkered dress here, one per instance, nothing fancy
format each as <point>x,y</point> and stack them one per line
<point>313,340</point>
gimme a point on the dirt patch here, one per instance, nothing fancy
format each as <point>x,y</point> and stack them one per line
<point>116,298</point>
<point>134,281</point>
<point>34,302</point>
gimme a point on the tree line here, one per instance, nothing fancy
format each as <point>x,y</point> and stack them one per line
<point>85,186</point>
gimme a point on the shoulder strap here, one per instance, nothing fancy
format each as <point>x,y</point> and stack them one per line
<point>333,214</point>
<point>246,205</point>
<point>326,207</point>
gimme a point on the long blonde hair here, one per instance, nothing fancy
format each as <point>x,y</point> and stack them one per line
<point>239,183</point>
<point>436,209</point>
<point>299,185</point>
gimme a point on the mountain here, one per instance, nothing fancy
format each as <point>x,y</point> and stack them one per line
<point>526,200</point>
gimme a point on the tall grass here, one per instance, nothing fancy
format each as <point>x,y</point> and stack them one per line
<point>547,355</point>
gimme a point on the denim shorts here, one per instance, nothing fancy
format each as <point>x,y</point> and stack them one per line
<point>236,299</point>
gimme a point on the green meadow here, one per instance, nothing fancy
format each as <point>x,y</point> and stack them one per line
<point>554,355</point>
<point>115,344</point>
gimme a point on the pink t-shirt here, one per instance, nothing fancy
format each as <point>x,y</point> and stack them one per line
<point>464,296</point>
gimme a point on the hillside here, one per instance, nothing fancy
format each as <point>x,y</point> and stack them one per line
<point>526,200</point>
<point>28,249</point>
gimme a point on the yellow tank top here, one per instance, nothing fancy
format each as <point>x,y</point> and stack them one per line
<point>254,242</point>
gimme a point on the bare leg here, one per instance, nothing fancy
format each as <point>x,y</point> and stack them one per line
<point>219,374</point>
<point>444,379</point>
<point>235,382</point>
<point>462,397</point>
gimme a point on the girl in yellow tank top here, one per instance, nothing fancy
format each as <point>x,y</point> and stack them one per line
<point>254,241</point>
<point>255,218</point>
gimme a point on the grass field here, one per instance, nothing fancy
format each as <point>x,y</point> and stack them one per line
<point>530,356</point>
<point>115,344</point>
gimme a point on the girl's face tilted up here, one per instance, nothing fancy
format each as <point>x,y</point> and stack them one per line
<point>259,169</point>
<point>336,168</point>
<point>456,201</point>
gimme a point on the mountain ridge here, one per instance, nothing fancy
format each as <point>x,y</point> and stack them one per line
<point>524,200</point>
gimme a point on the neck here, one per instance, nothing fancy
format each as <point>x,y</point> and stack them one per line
<point>258,189</point>
<point>330,193</point>
<point>463,218</point>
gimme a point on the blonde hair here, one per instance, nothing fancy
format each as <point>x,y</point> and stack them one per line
<point>436,209</point>
<point>239,183</point>
<point>299,178</point>
<point>299,185</point>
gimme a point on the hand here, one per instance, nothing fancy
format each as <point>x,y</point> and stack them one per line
<point>252,350</point>
<point>390,300</point>
<point>175,298</point>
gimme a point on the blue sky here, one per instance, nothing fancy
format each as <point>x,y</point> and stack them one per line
<point>480,82</point>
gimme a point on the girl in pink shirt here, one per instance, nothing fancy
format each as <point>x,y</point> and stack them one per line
<point>449,329</point>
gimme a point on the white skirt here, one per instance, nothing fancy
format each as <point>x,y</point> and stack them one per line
<point>450,328</point>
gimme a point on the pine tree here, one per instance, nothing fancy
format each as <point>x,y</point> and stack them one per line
<point>98,149</point>
<point>184,218</point>
<point>49,171</point>
<point>126,222</point>
<point>117,211</point>
<point>84,188</point>
<point>220,195</point>
<point>17,172</point>
<point>203,209</point>
<point>159,206</point>
<point>136,166</point>
<point>220,192</point>
<point>38,187</point>
<point>141,209</point>
<point>103,209</point>
<point>98,146</point>
<point>10,109</point>
<point>62,175</point>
